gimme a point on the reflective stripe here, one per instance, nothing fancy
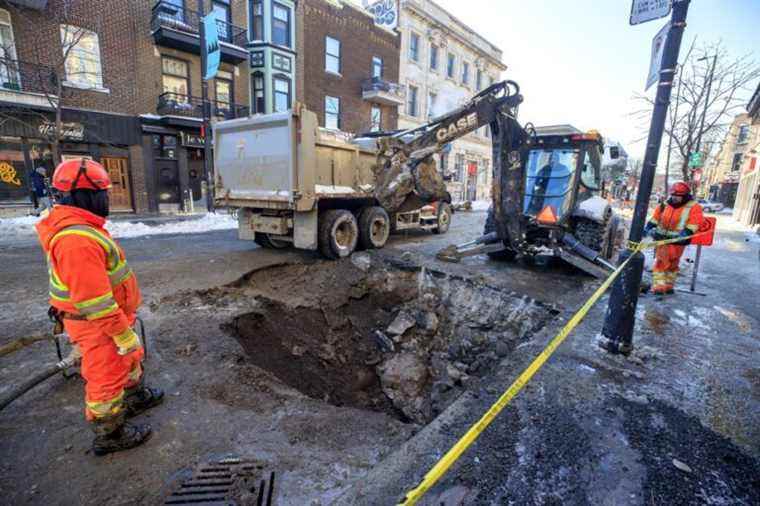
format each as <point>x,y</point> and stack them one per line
<point>100,409</point>
<point>117,269</point>
<point>682,219</point>
<point>135,373</point>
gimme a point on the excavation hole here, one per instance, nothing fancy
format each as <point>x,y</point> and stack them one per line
<point>405,342</point>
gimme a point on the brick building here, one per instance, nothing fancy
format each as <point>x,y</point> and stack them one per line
<point>349,67</point>
<point>747,204</point>
<point>129,92</point>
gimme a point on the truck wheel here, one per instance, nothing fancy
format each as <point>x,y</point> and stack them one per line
<point>444,218</point>
<point>506,255</point>
<point>338,233</point>
<point>269,242</point>
<point>374,227</point>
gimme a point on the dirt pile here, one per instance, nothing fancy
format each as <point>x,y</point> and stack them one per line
<point>370,334</point>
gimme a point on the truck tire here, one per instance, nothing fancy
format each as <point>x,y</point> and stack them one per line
<point>374,227</point>
<point>444,218</point>
<point>505,255</point>
<point>338,233</point>
<point>592,233</point>
<point>268,242</point>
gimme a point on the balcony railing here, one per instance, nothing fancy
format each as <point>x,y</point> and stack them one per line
<point>379,90</point>
<point>176,104</point>
<point>168,15</point>
<point>27,77</point>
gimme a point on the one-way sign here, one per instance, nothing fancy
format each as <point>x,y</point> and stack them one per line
<point>647,10</point>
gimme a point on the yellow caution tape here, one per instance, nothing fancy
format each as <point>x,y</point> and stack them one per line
<point>456,451</point>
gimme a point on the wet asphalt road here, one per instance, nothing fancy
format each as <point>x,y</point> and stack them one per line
<point>589,429</point>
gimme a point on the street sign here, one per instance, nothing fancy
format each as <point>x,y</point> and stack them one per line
<point>212,46</point>
<point>655,61</point>
<point>695,159</point>
<point>648,10</point>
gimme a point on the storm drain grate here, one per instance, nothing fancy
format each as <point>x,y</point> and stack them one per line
<point>230,481</point>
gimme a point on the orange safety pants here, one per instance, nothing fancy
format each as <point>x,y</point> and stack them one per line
<point>106,373</point>
<point>665,271</point>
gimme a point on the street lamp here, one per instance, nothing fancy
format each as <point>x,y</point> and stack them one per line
<point>709,79</point>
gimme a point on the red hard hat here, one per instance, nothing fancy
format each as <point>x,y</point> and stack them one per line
<point>80,174</point>
<point>680,188</point>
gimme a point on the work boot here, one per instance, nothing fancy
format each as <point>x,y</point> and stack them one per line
<point>113,434</point>
<point>141,398</point>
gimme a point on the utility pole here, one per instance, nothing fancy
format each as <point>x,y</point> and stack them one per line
<point>704,112</point>
<point>207,167</point>
<point>621,309</point>
<point>673,124</point>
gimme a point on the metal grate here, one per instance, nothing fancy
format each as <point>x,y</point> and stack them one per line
<point>230,481</point>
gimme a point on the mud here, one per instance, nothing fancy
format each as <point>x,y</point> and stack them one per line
<point>375,334</point>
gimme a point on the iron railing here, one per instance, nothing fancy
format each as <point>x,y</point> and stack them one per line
<point>168,15</point>
<point>27,77</point>
<point>177,104</point>
<point>379,84</point>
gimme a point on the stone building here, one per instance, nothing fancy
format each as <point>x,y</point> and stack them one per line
<point>721,178</point>
<point>747,204</point>
<point>443,63</point>
<point>129,93</point>
<point>350,67</point>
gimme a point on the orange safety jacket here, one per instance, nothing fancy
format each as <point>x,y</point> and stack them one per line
<point>89,275</point>
<point>671,221</point>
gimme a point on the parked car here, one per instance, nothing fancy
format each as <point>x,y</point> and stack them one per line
<point>711,207</point>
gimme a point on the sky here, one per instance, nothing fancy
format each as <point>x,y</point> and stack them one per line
<point>580,62</point>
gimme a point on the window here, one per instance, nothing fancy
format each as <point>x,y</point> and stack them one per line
<point>451,66</point>
<point>281,94</point>
<point>223,20</point>
<point>737,162</point>
<point>82,52</point>
<point>175,79</point>
<point>223,89</point>
<point>9,75</point>
<point>376,119</point>
<point>377,67</point>
<point>257,19</point>
<point>280,25</point>
<point>459,166</point>
<point>414,47</point>
<point>465,73</point>
<point>479,81</point>
<point>431,105</point>
<point>411,103</point>
<point>332,55</point>
<point>433,57</point>
<point>332,112</point>
<point>743,134</point>
<point>258,96</point>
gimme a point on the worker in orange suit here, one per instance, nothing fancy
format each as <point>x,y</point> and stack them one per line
<point>95,294</point>
<point>679,217</point>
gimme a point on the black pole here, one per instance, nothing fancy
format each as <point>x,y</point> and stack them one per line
<point>621,309</point>
<point>207,166</point>
<point>692,183</point>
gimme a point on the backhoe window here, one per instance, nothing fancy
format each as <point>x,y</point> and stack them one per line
<point>548,180</point>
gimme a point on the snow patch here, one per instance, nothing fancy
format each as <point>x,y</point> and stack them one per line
<point>481,205</point>
<point>333,190</point>
<point>594,208</point>
<point>23,227</point>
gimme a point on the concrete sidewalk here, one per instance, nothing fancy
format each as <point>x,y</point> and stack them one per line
<point>678,422</point>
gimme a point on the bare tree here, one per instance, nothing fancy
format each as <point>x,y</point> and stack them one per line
<point>53,71</point>
<point>728,79</point>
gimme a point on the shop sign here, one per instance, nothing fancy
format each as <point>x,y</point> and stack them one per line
<point>8,174</point>
<point>69,131</point>
<point>192,140</point>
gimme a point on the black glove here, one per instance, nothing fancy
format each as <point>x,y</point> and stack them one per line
<point>686,234</point>
<point>659,237</point>
<point>649,229</point>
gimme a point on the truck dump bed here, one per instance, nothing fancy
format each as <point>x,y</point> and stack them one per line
<point>285,161</point>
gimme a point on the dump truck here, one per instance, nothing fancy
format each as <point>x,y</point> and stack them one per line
<point>295,184</point>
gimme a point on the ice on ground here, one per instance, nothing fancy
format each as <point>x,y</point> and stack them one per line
<point>481,205</point>
<point>23,227</point>
<point>679,313</point>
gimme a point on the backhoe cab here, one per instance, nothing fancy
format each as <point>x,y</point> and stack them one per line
<point>550,204</point>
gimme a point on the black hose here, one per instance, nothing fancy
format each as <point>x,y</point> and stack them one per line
<point>32,382</point>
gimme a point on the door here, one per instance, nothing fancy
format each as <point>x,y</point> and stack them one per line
<point>120,194</point>
<point>168,182</point>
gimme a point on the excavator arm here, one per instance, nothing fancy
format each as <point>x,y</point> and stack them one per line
<point>406,173</point>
